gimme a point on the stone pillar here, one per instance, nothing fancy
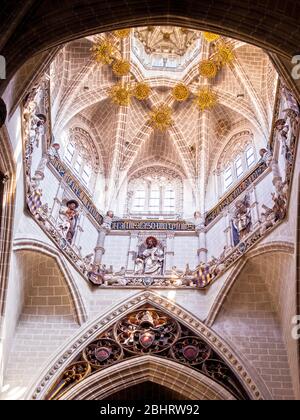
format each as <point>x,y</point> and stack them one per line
<point>99,249</point>
<point>254,207</point>
<point>227,228</point>
<point>202,250</point>
<point>276,172</point>
<point>40,171</point>
<point>57,202</point>
<point>169,253</point>
<point>132,252</point>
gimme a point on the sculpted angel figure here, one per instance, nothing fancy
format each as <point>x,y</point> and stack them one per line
<point>68,219</point>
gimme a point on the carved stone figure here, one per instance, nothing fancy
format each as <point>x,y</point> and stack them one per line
<point>150,257</point>
<point>266,156</point>
<point>268,219</point>
<point>68,219</point>
<point>242,217</point>
<point>108,219</point>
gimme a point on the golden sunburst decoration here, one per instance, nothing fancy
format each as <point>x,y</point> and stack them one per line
<point>210,37</point>
<point>121,67</point>
<point>180,92</point>
<point>120,94</point>
<point>206,98</point>
<point>161,117</point>
<point>141,91</point>
<point>208,69</point>
<point>103,51</point>
<point>122,33</point>
<point>224,54</point>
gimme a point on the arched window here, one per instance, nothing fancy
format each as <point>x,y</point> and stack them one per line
<point>237,159</point>
<point>155,191</point>
<point>81,158</point>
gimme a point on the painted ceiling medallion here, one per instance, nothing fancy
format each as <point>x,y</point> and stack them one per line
<point>180,92</point>
<point>208,69</point>
<point>103,51</point>
<point>120,94</point>
<point>205,98</point>
<point>121,67</point>
<point>122,33</point>
<point>210,37</point>
<point>147,339</point>
<point>190,353</point>
<point>141,91</point>
<point>102,353</point>
<point>160,117</point>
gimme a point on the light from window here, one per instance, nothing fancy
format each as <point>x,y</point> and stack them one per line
<point>86,174</point>
<point>154,199</point>
<point>228,177</point>
<point>78,163</point>
<point>250,156</point>
<point>139,200</point>
<point>239,167</point>
<point>169,201</point>
<point>69,153</point>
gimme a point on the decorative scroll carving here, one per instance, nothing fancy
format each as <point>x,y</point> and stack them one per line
<point>150,331</point>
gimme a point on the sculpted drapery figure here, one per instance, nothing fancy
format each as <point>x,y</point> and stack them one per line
<point>68,219</point>
<point>150,258</point>
<point>242,217</point>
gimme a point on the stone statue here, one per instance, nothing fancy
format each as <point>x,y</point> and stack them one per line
<point>242,217</point>
<point>150,258</point>
<point>108,219</point>
<point>68,219</point>
<point>266,156</point>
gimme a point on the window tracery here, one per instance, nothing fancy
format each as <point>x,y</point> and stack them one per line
<point>155,191</point>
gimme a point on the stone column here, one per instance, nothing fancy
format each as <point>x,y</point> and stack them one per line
<point>169,253</point>
<point>276,172</point>
<point>99,249</point>
<point>227,228</point>
<point>202,250</point>
<point>254,207</point>
<point>40,171</point>
<point>57,202</point>
<point>132,252</point>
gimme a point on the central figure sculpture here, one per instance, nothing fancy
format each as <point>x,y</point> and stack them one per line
<point>150,258</point>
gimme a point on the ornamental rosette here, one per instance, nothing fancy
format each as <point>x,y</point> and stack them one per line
<point>141,91</point>
<point>122,33</point>
<point>224,55</point>
<point>120,95</point>
<point>210,36</point>
<point>160,117</point>
<point>206,99</point>
<point>121,68</point>
<point>208,69</point>
<point>103,52</point>
<point>180,92</point>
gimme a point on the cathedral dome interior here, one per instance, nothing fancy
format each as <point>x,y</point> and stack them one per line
<point>149,215</point>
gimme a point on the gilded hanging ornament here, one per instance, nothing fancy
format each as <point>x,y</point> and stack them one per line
<point>180,92</point>
<point>122,33</point>
<point>224,55</point>
<point>210,37</point>
<point>208,69</point>
<point>121,67</point>
<point>205,98</point>
<point>160,117</point>
<point>103,52</point>
<point>120,94</point>
<point>141,91</point>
